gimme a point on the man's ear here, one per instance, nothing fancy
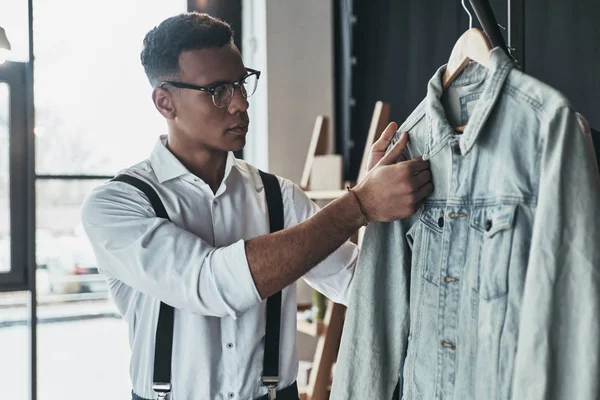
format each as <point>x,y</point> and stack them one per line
<point>163,101</point>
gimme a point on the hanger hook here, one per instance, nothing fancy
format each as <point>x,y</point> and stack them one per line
<point>469,13</point>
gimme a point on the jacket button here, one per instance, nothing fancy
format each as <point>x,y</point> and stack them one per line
<point>456,149</point>
<point>441,222</point>
<point>488,225</point>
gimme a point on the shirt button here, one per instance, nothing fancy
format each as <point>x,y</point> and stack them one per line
<point>488,225</point>
<point>450,279</point>
<point>231,395</point>
<point>216,203</point>
<point>441,222</point>
<point>230,345</point>
<point>448,345</point>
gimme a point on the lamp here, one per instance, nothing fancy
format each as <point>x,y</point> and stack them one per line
<point>4,43</point>
<point>4,46</point>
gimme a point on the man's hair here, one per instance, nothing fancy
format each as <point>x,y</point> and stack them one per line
<point>188,31</point>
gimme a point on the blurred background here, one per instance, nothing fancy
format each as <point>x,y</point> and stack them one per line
<point>75,107</point>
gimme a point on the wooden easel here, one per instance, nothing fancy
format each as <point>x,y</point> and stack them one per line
<point>329,341</point>
<point>319,146</point>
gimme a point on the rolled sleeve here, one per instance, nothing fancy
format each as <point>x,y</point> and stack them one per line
<point>333,276</point>
<point>231,278</point>
<point>156,257</point>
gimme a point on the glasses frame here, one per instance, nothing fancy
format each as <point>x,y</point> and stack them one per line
<point>212,89</point>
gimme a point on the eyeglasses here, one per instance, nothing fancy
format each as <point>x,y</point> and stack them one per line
<point>223,94</point>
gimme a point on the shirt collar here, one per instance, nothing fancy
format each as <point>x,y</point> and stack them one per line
<point>166,166</point>
<point>440,129</point>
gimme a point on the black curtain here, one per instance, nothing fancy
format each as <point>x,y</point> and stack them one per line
<point>398,45</point>
<point>562,48</point>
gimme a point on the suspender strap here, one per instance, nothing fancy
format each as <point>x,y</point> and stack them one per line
<point>270,376</point>
<point>163,345</point>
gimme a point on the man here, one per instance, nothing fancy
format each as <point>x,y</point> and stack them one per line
<point>214,261</point>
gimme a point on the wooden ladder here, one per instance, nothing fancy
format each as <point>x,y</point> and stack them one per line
<point>328,344</point>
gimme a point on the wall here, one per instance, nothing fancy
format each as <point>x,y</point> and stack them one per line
<point>291,43</point>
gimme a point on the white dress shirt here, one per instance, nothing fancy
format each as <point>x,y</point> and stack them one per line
<point>197,264</point>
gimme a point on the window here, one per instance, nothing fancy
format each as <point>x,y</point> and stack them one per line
<point>94,112</point>
<point>94,116</point>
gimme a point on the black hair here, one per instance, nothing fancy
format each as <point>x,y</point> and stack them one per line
<point>187,31</point>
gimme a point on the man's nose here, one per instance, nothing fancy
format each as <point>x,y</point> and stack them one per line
<point>238,103</point>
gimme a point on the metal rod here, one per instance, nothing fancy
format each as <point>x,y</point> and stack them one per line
<point>516,31</point>
<point>488,22</point>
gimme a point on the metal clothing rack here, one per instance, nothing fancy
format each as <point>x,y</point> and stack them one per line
<point>487,19</point>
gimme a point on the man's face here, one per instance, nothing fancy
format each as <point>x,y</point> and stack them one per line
<point>197,120</point>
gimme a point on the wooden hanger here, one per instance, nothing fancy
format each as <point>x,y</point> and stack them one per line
<point>471,46</point>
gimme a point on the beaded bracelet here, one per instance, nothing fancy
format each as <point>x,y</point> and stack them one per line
<point>359,205</point>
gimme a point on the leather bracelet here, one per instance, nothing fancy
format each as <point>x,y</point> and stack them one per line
<point>362,211</point>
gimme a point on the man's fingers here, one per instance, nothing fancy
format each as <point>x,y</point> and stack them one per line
<point>422,178</point>
<point>386,137</point>
<point>417,165</point>
<point>423,191</point>
<point>394,154</point>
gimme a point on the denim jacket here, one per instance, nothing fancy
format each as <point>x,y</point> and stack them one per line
<point>492,290</point>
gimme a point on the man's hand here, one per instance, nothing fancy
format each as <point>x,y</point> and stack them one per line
<point>379,148</point>
<point>393,190</point>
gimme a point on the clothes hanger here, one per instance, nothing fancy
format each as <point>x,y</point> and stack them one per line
<point>471,46</point>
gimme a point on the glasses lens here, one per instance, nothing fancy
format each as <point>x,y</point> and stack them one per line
<point>249,86</point>
<point>223,95</point>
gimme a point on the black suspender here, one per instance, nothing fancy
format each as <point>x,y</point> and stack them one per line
<point>163,347</point>
<point>270,376</point>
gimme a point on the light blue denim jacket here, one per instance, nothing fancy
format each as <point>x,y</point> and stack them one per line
<point>492,290</point>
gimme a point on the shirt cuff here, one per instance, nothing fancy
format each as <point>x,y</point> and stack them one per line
<point>238,290</point>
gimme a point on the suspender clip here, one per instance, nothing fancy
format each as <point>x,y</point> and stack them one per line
<point>162,390</point>
<point>271,383</point>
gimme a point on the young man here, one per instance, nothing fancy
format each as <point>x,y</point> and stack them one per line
<point>214,261</point>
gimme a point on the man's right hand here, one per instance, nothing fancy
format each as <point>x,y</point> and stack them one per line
<point>394,190</point>
<point>391,190</point>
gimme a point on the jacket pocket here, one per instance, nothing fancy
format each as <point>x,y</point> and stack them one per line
<point>496,227</point>
<point>430,244</point>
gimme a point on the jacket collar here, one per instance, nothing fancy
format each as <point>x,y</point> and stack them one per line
<point>440,130</point>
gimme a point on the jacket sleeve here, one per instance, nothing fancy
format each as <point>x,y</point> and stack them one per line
<point>559,338</point>
<point>375,336</point>
<point>158,258</point>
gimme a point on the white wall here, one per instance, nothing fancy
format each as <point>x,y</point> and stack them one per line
<point>291,41</point>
